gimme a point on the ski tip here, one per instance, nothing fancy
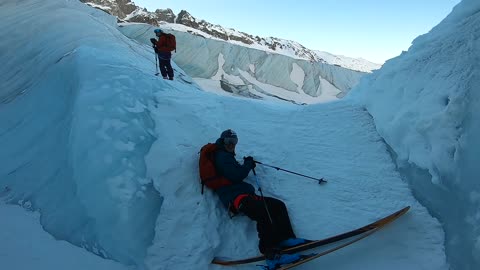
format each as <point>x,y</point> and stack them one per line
<point>402,211</point>
<point>221,260</point>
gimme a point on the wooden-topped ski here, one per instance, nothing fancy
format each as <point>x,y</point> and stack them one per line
<point>330,250</point>
<point>317,243</point>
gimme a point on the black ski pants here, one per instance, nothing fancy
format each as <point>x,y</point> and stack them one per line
<point>270,233</point>
<point>166,68</point>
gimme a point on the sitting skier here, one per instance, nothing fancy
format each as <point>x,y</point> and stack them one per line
<point>273,223</point>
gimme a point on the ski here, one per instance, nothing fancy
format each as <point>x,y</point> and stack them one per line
<point>302,257</point>
<point>317,243</point>
<point>318,255</point>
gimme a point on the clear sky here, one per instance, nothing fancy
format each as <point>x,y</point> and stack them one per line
<point>375,30</point>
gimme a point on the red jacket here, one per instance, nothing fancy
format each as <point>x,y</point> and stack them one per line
<point>161,44</point>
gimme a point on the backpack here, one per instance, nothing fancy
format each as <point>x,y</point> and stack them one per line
<point>208,174</point>
<point>170,42</point>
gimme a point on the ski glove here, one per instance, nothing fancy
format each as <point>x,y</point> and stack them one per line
<point>154,41</point>
<point>248,161</point>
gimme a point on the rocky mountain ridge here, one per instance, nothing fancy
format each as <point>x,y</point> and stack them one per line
<point>127,11</point>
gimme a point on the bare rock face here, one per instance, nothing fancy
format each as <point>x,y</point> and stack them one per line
<point>119,8</point>
<point>215,30</point>
<point>165,15</point>
<point>126,7</point>
<point>143,19</point>
<point>153,18</point>
<point>186,19</point>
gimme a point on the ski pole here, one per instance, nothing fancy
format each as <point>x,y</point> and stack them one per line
<point>320,180</point>
<point>156,64</point>
<point>263,197</point>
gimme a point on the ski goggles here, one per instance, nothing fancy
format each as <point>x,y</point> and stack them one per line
<point>230,140</point>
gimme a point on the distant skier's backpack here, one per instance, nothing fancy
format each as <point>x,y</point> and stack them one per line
<point>170,42</point>
<point>208,174</point>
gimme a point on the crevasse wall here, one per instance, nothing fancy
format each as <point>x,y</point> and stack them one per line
<point>425,105</point>
<point>198,56</point>
<point>74,128</point>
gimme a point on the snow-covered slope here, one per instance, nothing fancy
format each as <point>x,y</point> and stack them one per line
<point>348,62</point>
<point>25,245</point>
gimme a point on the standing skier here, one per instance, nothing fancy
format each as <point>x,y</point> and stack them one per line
<point>273,223</point>
<point>163,47</point>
